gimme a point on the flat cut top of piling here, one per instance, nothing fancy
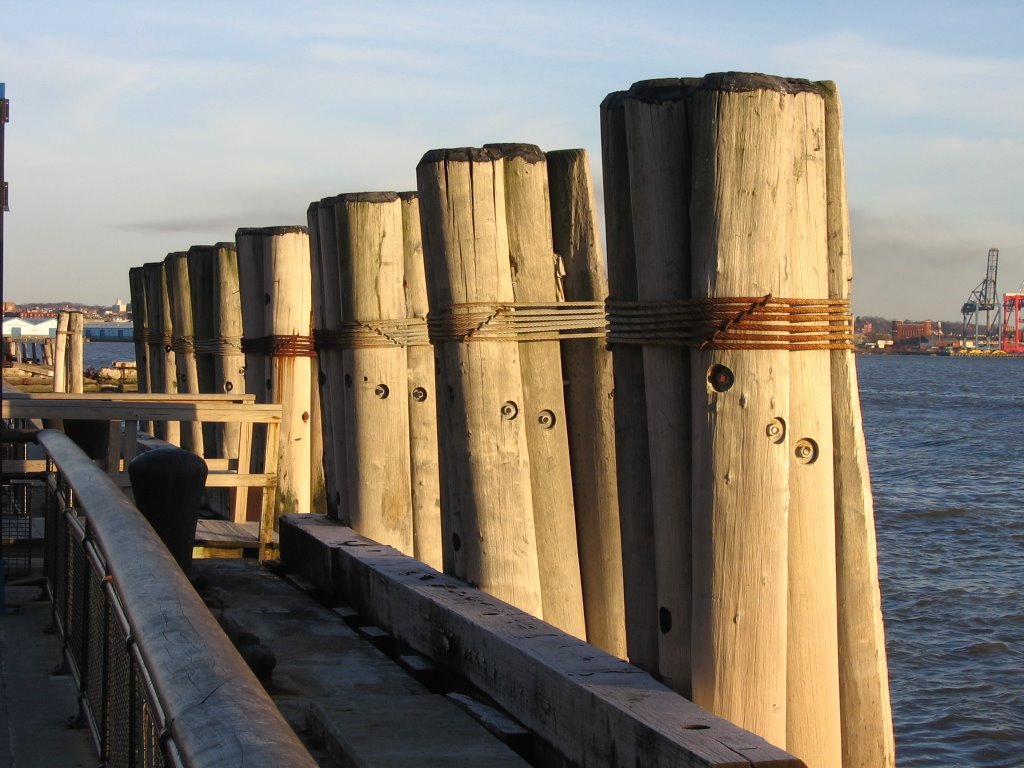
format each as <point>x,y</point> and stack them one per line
<point>409,196</point>
<point>460,155</point>
<point>202,249</point>
<point>666,89</point>
<point>288,229</point>
<point>367,197</point>
<point>226,246</point>
<point>738,82</point>
<point>531,153</point>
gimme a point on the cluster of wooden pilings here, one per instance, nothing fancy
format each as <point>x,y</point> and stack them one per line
<point>667,461</point>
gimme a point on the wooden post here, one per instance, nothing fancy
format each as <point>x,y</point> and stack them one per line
<point>330,361</point>
<point>137,286</point>
<point>745,189</point>
<point>486,502</point>
<point>76,352</point>
<point>318,494</point>
<point>203,298</point>
<point>659,172</point>
<point>812,662</point>
<point>590,411</point>
<point>226,339</point>
<point>253,298</point>
<point>867,731</point>
<point>421,397</point>
<point>179,297</point>
<point>161,356</point>
<point>370,256</point>
<point>288,321</point>
<point>60,354</point>
<point>632,457</point>
<point>535,280</point>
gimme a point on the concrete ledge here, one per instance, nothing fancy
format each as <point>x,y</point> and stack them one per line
<point>593,708</point>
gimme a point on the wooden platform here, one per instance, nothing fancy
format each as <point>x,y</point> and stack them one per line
<point>223,538</point>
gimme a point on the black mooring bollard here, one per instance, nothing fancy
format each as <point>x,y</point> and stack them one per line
<point>168,484</point>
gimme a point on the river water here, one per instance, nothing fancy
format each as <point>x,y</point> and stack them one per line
<point>946,450</point>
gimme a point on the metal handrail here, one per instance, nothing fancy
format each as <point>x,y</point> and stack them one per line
<point>201,703</point>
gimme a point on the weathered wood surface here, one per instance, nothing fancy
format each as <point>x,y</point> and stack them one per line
<point>216,711</point>
<point>137,289</point>
<point>867,730</point>
<point>179,298</point>
<point>204,299</point>
<point>535,280</point>
<point>659,172</point>
<point>595,709</point>
<point>487,507</point>
<point>812,657</point>
<point>158,320</point>
<point>632,457</point>
<point>60,354</point>
<point>327,282</point>
<point>287,286</point>
<point>421,397</point>
<point>253,298</point>
<point>371,259</point>
<point>76,352</point>
<point>229,363</point>
<point>742,196</point>
<point>590,410</point>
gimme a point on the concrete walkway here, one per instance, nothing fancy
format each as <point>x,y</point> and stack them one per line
<point>35,704</point>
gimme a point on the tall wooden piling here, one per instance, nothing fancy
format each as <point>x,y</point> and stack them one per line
<point>812,658</point>
<point>370,257</point>
<point>535,281</point>
<point>590,411</point>
<point>289,343</point>
<point>867,730</point>
<point>421,396</point>
<point>633,467</point>
<point>659,173</point>
<point>320,414</point>
<point>224,342</point>
<point>179,297</point>
<point>161,358</point>
<point>743,192</point>
<point>76,352</point>
<point>487,505</point>
<point>330,361</point>
<point>204,299</point>
<point>60,354</point>
<point>137,288</point>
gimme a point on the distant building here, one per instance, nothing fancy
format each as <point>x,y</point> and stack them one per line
<point>910,332</point>
<point>16,327</point>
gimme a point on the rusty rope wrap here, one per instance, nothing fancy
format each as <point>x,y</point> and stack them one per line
<point>159,338</point>
<point>225,346</point>
<point>368,334</point>
<point>280,346</point>
<point>757,322</point>
<point>512,321</point>
<point>182,344</point>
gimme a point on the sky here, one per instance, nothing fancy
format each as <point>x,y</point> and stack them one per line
<point>138,129</point>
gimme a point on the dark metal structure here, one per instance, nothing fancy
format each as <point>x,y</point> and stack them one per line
<point>984,299</point>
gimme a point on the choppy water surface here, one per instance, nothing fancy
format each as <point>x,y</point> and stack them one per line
<point>946,450</point>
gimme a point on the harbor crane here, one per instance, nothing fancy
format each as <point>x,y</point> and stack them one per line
<point>984,299</point>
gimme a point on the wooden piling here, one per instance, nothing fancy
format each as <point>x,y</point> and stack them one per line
<point>319,417</point>
<point>202,291</point>
<point>421,397</point>
<point>254,299</point>
<point>179,297</point>
<point>330,361</point>
<point>60,354</point>
<point>370,257</point>
<point>744,193</point>
<point>659,171</point>
<point>632,457</point>
<point>225,340</point>
<point>76,352</point>
<point>867,730</point>
<point>590,410</point>
<point>486,502</point>
<point>161,358</point>
<point>535,280</point>
<point>288,322</point>
<point>812,658</point>
<point>137,287</point>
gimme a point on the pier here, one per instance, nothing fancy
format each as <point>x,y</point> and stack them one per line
<point>583,515</point>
